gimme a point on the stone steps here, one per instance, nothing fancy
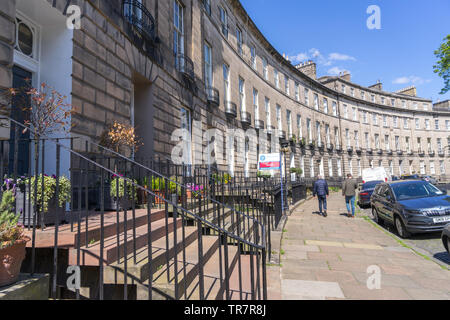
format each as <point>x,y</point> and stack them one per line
<point>68,238</point>
<point>113,248</point>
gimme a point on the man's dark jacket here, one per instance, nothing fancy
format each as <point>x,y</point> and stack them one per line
<point>321,188</point>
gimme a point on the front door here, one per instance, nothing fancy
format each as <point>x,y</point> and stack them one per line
<point>20,159</point>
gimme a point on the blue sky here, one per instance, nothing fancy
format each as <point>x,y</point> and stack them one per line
<point>335,35</point>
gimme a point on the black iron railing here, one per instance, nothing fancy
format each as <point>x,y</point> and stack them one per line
<point>231,109</point>
<point>136,241</point>
<point>185,66</point>
<point>213,96</point>
<point>246,117</point>
<point>259,124</point>
<point>137,15</point>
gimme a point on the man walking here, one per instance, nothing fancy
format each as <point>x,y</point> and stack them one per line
<point>349,191</point>
<point>322,192</point>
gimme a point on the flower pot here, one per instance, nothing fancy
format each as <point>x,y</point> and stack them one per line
<point>11,259</point>
<point>121,204</point>
<point>26,209</point>
<point>161,195</point>
<point>142,196</point>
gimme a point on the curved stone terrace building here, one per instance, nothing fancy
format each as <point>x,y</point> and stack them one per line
<point>162,64</point>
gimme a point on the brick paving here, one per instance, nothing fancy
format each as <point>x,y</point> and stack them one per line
<point>328,258</point>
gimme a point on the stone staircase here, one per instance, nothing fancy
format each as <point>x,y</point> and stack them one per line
<point>168,261</point>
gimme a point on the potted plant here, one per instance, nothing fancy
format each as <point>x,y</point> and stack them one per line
<point>189,191</point>
<point>121,202</point>
<point>175,188</point>
<point>120,137</point>
<point>222,179</point>
<point>302,142</point>
<point>294,172</point>
<point>159,189</point>
<point>197,190</point>
<point>263,174</point>
<point>47,114</point>
<point>48,209</point>
<point>293,139</point>
<point>141,193</point>
<point>12,240</point>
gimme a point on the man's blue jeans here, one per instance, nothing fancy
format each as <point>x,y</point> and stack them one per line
<point>350,201</point>
<point>322,202</point>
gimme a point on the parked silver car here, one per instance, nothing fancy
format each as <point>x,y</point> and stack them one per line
<point>446,238</point>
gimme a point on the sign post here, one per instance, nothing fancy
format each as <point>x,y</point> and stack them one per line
<point>272,162</point>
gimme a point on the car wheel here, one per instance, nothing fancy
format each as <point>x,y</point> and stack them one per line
<point>375,216</point>
<point>446,241</point>
<point>400,227</point>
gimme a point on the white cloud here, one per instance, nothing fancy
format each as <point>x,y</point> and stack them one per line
<point>336,71</point>
<point>299,57</point>
<point>322,60</point>
<point>411,80</point>
<point>340,57</point>
<point>315,53</point>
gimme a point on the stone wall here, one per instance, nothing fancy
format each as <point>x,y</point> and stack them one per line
<point>110,61</point>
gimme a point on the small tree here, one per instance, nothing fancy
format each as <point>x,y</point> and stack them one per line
<point>47,114</point>
<point>118,135</point>
<point>443,65</point>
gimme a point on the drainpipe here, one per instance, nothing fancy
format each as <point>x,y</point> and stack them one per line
<point>340,129</point>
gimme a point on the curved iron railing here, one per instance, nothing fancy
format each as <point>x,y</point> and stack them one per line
<point>136,14</point>
<point>231,109</point>
<point>94,235</point>
<point>246,117</point>
<point>213,96</point>
<point>185,66</point>
<point>259,124</point>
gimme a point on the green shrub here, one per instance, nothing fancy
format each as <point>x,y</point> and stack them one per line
<point>158,184</point>
<point>264,174</point>
<point>296,170</point>
<point>50,190</point>
<point>10,230</point>
<point>113,191</point>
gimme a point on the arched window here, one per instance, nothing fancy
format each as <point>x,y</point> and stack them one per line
<point>26,38</point>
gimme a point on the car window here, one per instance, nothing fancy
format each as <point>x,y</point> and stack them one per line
<point>380,189</point>
<point>405,191</point>
<point>386,192</point>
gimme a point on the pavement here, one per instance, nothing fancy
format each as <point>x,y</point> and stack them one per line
<point>337,257</point>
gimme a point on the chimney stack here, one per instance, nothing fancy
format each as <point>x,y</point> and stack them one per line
<point>346,76</point>
<point>309,68</point>
<point>378,86</point>
<point>409,91</point>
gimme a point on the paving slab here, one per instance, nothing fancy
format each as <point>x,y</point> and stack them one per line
<point>314,289</point>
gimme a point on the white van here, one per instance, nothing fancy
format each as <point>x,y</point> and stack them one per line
<point>376,174</point>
